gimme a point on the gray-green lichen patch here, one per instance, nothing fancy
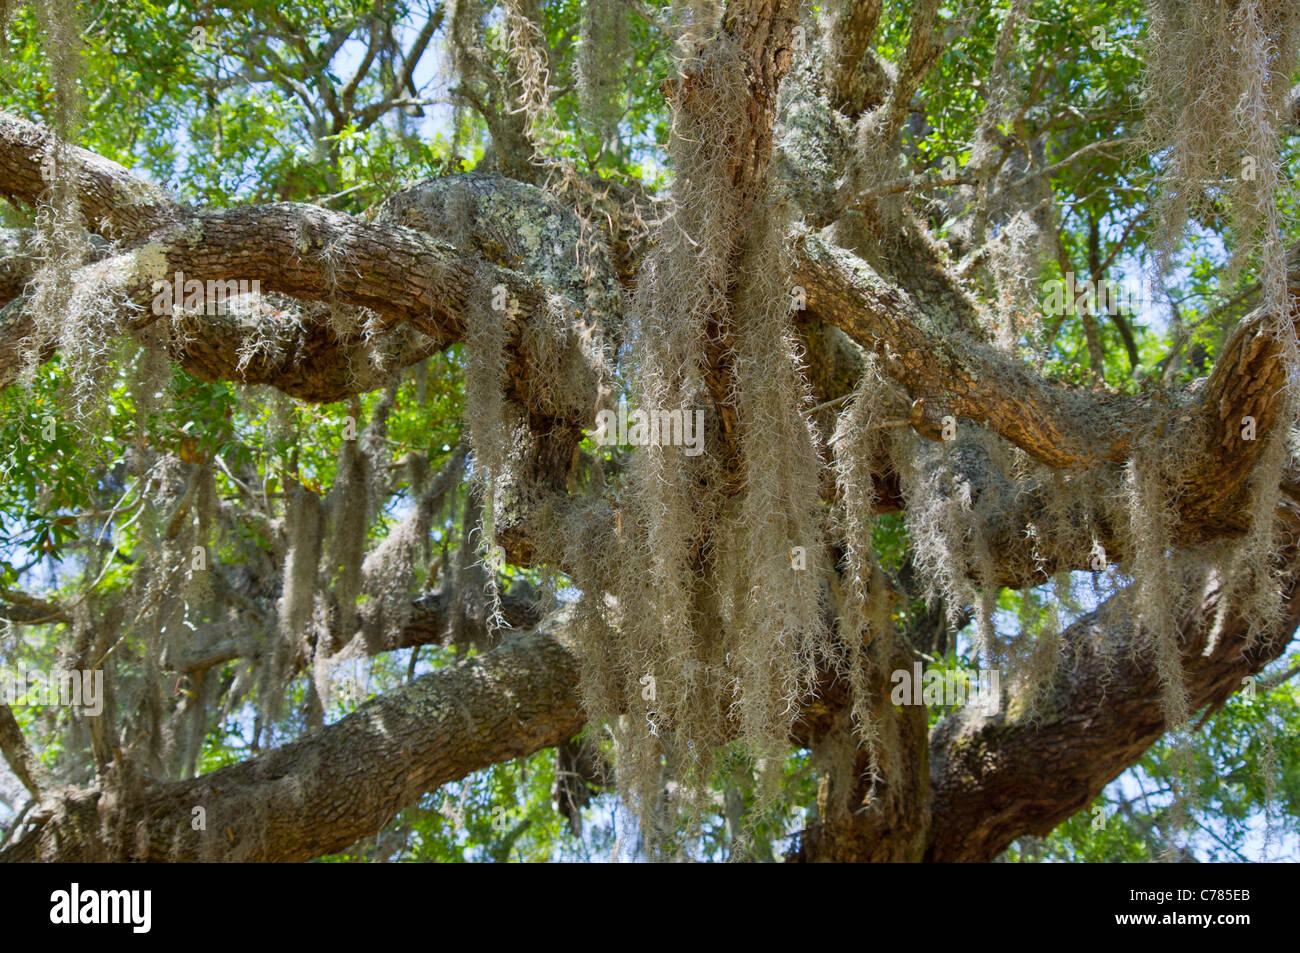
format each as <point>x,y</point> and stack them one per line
<point>134,193</point>
<point>812,144</point>
<point>193,234</point>
<point>150,262</point>
<point>510,223</point>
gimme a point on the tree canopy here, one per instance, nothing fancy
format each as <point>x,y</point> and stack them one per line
<point>616,429</point>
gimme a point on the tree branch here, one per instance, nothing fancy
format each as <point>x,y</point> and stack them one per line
<point>988,776</point>
<point>18,756</point>
<point>1063,427</point>
<point>336,786</point>
<point>993,778</point>
<point>114,203</point>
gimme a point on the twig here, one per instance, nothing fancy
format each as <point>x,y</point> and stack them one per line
<point>17,824</point>
<point>830,403</point>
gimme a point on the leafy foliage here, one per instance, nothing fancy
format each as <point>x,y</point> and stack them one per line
<point>346,102</point>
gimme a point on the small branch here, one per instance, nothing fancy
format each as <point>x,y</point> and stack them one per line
<point>18,756</point>
<point>1268,684</point>
<point>39,611</point>
<point>830,403</point>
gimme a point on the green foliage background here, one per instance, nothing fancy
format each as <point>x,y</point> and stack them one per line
<point>229,121</point>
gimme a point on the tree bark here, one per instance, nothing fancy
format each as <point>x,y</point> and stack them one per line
<point>994,778</point>
<point>334,787</point>
<point>962,791</point>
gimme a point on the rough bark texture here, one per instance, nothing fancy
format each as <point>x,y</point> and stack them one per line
<point>329,790</point>
<point>998,779</point>
<point>964,792</point>
<point>995,778</point>
<point>975,786</point>
<point>114,203</point>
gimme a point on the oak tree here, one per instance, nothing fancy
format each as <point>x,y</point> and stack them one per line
<point>428,427</point>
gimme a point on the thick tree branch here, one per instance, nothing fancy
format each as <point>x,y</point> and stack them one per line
<point>1063,427</point>
<point>999,777</point>
<point>402,275</point>
<point>852,27</point>
<point>955,375</point>
<point>336,786</point>
<point>114,203</point>
<point>991,780</point>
